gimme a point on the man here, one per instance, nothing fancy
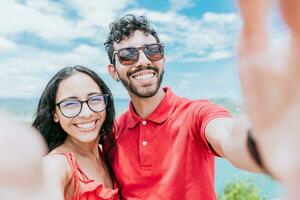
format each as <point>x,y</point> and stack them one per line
<point>165,144</point>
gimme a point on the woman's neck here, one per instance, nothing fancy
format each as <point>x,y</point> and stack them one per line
<point>82,148</point>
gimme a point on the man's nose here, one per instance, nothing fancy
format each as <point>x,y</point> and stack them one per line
<point>143,60</point>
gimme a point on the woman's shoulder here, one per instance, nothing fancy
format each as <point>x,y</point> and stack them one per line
<point>60,155</point>
<point>60,159</point>
<point>58,163</point>
<point>57,174</point>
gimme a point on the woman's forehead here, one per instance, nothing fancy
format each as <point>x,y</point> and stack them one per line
<point>78,85</point>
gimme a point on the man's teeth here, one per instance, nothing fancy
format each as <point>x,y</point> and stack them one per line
<point>87,125</point>
<point>143,77</point>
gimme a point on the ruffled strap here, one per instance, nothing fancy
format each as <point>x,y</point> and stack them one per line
<point>74,175</point>
<point>91,190</point>
<point>94,191</point>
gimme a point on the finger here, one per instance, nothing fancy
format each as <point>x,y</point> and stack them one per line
<point>250,81</point>
<point>293,61</point>
<point>254,14</point>
<point>290,10</point>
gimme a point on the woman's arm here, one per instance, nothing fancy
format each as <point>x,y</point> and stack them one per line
<point>57,174</point>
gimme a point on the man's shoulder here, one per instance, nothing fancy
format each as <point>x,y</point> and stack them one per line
<point>122,117</point>
<point>198,105</point>
<point>193,102</point>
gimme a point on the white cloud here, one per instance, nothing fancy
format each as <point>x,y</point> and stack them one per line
<point>66,25</point>
<point>195,38</point>
<point>28,69</point>
<point>87,50</point>
<point>47,7</point>
<point>220,18</point>
<point>22,18</point>
<point>219,55</point>
<point>6,45</point>
<point>206,85</point>
<point>98,13</point>
<point>50,21</point>
<point>177,5</point>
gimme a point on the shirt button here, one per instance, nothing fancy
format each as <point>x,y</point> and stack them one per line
<point>144,122</point>
<point>144,143</point>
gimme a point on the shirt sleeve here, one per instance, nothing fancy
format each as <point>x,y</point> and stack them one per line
<point>206,111</point>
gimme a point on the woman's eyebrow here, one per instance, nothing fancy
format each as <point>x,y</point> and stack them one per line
<point>93,93</point>
<point>76,98</point>
<point>68,98</point>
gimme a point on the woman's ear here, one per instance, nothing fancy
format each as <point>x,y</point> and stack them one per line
<point>55,118</point>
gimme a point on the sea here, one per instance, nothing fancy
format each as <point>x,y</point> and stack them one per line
<point>23,110</point>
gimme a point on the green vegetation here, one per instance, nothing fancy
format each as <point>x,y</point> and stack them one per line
<point>240,190</point>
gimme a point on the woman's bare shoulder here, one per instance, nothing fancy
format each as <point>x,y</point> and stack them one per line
<point>57,163</point>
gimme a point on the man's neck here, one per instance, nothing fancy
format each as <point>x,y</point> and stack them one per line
<point>145,106</point>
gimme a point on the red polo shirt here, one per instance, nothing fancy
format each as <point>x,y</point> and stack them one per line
<point>166,155</point>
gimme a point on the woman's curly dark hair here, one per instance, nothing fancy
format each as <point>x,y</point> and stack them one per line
<point>125,27</point>
<point>52,132</point>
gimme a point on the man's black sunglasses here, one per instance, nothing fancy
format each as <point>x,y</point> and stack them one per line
<point>130,55</point>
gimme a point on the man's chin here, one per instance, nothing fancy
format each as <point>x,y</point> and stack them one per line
<point>145,92</point>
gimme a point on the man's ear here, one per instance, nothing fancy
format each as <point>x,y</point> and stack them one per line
<point>113,72</point>
<point>164,59</point>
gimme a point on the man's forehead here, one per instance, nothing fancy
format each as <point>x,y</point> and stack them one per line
<point>137,39</point>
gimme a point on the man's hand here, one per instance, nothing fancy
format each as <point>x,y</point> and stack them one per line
<point>271,89</point>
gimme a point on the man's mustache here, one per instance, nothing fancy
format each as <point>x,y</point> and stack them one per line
<point>155,69</point>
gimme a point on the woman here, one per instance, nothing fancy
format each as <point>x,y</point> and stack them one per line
<point>75,114</point>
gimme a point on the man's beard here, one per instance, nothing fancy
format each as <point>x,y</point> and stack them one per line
<point>147,91</point>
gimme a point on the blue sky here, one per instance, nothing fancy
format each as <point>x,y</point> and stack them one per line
<point>37,38</point>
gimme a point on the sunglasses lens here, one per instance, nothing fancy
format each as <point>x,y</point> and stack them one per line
<point>154,52</point>
<point>128,56</point>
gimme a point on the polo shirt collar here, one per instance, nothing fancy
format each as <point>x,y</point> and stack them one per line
<point>160,114</point>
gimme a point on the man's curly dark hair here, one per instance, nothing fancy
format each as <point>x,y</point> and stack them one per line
<point>125,27</point>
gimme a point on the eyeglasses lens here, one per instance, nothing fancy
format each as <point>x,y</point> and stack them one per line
<point>97,103</point>
<point>71,108</point>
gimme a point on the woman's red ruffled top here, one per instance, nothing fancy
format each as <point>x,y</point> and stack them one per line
<point>85,188</point>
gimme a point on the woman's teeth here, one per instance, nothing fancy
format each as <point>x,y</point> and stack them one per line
<point>86,125</point>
